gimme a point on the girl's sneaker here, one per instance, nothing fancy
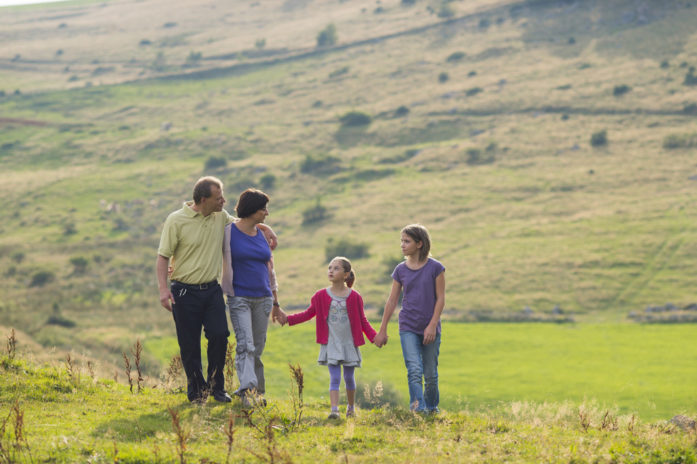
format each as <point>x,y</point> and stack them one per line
<point>350,412</point>
<point>333,415</point>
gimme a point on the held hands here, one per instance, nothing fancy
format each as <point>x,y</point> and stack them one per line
<point>380,339</point>
<point>278,315</point>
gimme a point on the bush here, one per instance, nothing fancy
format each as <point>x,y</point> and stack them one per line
<point>621,90</point>
<point>314,214</point>
<point>673,141</point>
<point>79,264</point>
<point>473,91</point>
<point>475,156</point>
<point>267,181</point>
<point>193,58</point>
<point>327,36</point>
<point>690,78</point>
<point>345,247</point>
<point>455,56</point>
<point>339,72</point>
<point>215,162</point>
<point>443,77</point>
<point>259,44</point>
<point>408,2</point>
<point>401,111</point>
<point>355,119</point>
<point>665,64</point>
<point>319,164</point>
<point>690,108</point>
<point>41,278</point>
<point>145,42</point>
<point>599,139</point>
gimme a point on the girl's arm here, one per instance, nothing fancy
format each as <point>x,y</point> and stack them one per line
<point>390,306</point>
<point>303,316</point>
<point>365,325</point>
<point>431,328</point>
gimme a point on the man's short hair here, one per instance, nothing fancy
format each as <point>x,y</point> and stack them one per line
<point>251,201</point>
<point>202,188</point>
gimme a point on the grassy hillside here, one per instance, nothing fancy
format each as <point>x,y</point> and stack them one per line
<point>481,120</point>
<point>66,414</point>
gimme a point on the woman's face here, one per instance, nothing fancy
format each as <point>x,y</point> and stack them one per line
<point>260,215</point>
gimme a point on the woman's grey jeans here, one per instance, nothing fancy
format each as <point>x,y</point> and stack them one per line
<point>250,320</point>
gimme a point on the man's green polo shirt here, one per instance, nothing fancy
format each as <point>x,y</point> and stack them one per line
<point>195,243</point>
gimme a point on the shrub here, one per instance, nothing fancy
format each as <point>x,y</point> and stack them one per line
<point>455,56</point>
<point>690,108</point>
<point>314,214</point>
<point>690,78</point>
<point>471,73</point>
<point>673,141</point>
<point>215,162</point>
<point>169,25</point>
<point>665,64</point>
<point>621,90</point>
<point>473,91</point>
<point>443,77</point>
<point>339,72</point>
<point>259,44</point>
<point>408,2</point>
<point>267,181</point>
<point>572,40</point>
<point>345,247</point>
<point>145,42</point>
<point>41,278</point>
<point>599,139</point>
<point>17,256</point>
<point>319,164</point>
<point>475,156</point>
<point>193,58</point>
<point>401,111</point>
<point>355,119</point>
<point>484,23</point>
<point>327,36</point>
<point>79,264</point>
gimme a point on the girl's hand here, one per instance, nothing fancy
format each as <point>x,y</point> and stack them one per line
<point>429,334</point>
<point>380,339</point>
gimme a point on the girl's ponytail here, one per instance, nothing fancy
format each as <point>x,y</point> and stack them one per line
<point>350,279</point>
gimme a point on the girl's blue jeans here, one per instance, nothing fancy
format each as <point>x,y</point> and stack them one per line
<point>422,370</point>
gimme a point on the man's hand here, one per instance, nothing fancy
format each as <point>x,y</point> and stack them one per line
<point>166,299</point>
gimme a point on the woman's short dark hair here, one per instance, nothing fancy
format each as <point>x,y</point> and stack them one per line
<point>251,201</point>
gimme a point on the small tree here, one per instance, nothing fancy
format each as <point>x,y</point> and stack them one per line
<point>599,139</point>
<point>327,36</point>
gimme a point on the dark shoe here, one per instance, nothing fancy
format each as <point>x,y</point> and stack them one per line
<point>221,396</point>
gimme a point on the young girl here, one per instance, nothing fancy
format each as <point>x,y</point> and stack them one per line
<point>422,279</point>
<point>340,325</point>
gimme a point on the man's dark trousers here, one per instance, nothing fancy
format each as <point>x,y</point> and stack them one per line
<point>197,306</point>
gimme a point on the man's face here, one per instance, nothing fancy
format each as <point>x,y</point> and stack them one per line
<point>214,203</point>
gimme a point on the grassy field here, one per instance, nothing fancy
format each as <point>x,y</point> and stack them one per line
<point>643,370</point>
<point>65,414</point>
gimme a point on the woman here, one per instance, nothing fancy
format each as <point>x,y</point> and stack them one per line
<point>249,282</point>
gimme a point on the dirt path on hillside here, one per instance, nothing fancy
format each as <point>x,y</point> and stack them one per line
<point>22,122</point>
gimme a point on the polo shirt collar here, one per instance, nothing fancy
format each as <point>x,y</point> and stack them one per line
<point>188,210</point>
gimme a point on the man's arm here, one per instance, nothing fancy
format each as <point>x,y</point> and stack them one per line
<point>162,269</point>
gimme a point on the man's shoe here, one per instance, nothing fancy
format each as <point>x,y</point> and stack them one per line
<point>221,396</point>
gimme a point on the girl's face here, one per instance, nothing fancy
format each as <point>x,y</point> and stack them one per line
<point>409,246</point>
<point>336,272</point>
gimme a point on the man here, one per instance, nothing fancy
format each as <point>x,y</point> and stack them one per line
<point>192,242</point>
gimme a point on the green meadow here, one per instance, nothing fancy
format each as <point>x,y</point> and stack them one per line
<point>628,369</point>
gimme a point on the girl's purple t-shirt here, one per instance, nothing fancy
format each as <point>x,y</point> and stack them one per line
<point>419,295</point>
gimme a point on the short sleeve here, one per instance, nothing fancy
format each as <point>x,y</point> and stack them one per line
<point>395,274</point>
<point>168,239</point>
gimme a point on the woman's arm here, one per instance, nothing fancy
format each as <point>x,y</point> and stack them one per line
<point>431,328</point>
